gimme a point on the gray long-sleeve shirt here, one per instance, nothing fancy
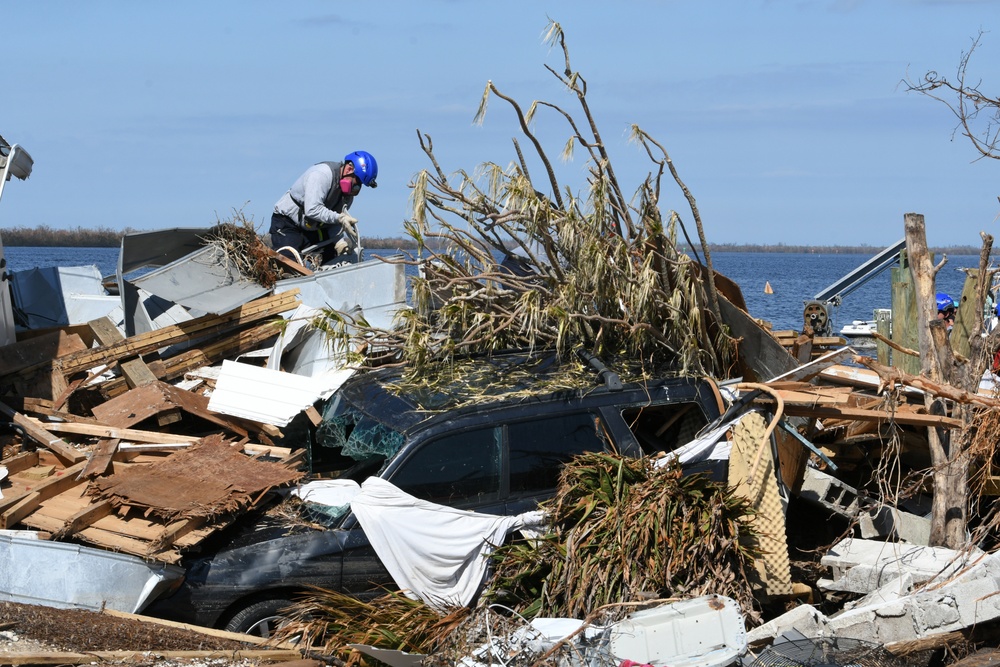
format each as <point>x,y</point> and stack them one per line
<point>318,190</point>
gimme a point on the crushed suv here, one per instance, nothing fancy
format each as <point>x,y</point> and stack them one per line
<point>492,442</point>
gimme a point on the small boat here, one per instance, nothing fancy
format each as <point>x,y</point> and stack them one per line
<point>858,329</point>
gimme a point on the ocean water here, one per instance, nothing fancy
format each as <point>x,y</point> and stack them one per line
<point>794,278</point>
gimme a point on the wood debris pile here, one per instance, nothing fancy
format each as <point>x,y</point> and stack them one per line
<point>116,463</point>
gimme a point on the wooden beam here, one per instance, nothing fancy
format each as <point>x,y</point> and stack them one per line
<point>134,369</point>
<point>58,446</point>
<point>21,461</point>
<point>144,343</point>
<point>84,519</point>
<point>128,434</point>
<point>100,458</point>
<point>62,481</point>
<point>858,414</point>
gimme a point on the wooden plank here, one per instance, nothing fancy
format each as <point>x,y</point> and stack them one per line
<point>172,533</point>
<point>899,416</point>
<point>143,657</point>
<point>20,461</point>
<point>288,263</point>
<point>100,458</point>
<point>129,434</point>
<point>83,519</point>
<point>211,632</point>
<point>315,418</point>
<point>53,486</point>
<point>205,355</point>
<point>58,446</point>
<point>38,350</point>
<point>134,369</point>
<point>811,397</point>
<point>153,399</point>
<point>208,324</point>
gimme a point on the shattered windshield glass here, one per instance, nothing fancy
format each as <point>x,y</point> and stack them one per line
<point>355,434</point>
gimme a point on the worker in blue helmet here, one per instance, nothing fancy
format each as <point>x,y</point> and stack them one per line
<point>945,309</point>
<point>314,211</point>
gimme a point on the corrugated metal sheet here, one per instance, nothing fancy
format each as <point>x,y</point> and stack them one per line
<point>59,574</point>
<point>268,396</point>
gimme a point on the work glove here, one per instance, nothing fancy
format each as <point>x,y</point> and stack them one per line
<point>344,246</point>
<point>349,222</point>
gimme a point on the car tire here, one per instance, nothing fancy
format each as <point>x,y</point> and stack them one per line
<point>260,618</point>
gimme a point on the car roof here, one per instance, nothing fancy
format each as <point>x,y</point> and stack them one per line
<point>485,383</point>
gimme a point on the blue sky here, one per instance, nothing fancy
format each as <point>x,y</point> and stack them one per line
<point>786,119</point>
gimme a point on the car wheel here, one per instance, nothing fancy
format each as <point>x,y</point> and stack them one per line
<point>260,618</point>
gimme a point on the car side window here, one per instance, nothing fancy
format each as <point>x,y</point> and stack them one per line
<point>457,469</point>
<point>539,447</point>
<point>664,428</point>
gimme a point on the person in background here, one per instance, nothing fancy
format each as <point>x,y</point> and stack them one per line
<point>315,208</point>
<point>946,309</point>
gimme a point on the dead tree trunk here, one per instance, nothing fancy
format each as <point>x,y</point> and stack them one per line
<point>949,455</point>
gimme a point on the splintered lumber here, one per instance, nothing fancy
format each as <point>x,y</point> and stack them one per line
<point>127,434</point>
<point>208,480</point>
<point>150,341</point>
<point>40,349</point>
<point>153,399</point>
<point>205,354</point>
<point>134,370</point>
<point>57,446</point>
<point>101,457</point>
<point>28,502</point>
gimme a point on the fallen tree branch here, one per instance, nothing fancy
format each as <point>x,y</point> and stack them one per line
<point>891,375</point>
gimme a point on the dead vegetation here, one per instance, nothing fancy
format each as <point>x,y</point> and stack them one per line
<point>599,270</point>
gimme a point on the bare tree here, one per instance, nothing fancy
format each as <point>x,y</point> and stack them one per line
<point>978,114</point>
<point>510,262</point>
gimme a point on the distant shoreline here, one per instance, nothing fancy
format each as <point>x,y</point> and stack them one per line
<point>46,237</point>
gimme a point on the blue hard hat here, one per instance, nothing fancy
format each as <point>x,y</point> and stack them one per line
<point>365,167</point>
<point>944,302</point>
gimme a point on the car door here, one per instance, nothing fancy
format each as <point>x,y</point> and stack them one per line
<point>539,447</point>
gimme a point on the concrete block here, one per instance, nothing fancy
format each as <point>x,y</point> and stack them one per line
<point>862,566</point>
<point>830,492</point>
<point>893,590</point>
<point>889,522</point>
<point>805,619</point>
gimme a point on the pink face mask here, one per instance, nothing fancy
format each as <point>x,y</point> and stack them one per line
<point>348,187</point>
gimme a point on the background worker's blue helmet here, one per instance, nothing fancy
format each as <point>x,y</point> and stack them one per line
<point>944,302</point>
<point>365,167</point>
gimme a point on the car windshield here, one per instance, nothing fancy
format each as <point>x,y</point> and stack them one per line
<point>349,436</point>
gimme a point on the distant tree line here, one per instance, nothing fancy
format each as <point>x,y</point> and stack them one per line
<point>103,237</point>
<point>47,237</point>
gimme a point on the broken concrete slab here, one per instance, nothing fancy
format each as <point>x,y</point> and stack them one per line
<point>862,566</point>
<point>874,520</point>
<point>951,602</point>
